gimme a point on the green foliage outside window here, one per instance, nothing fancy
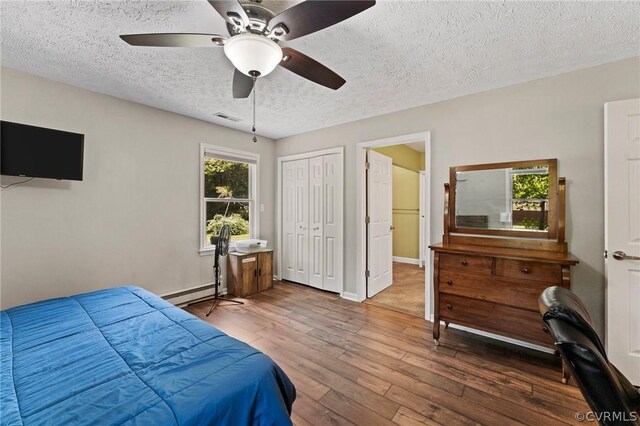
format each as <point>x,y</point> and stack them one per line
<point>226,180</point>
<point>239,226</point>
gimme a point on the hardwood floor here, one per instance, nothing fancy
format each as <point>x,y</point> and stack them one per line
<point>406,294</point>
<point>361,364</point>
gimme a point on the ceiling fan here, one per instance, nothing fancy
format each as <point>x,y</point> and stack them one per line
<point>255,32</point>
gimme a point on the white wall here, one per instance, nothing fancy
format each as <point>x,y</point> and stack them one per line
<point>559,117</point>
<point>134,219</point>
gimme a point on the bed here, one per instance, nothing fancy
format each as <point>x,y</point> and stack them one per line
<point>124,355</point>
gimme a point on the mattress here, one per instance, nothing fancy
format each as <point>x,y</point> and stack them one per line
<point>126,356</point>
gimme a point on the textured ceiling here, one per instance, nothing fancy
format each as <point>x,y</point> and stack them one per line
<point>396,55</point>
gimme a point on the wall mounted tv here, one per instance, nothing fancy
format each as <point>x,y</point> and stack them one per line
<point>38,152</point>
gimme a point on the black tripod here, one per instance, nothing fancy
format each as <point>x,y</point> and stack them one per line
<point>222,249</point>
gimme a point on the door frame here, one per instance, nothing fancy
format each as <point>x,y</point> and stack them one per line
<point>361,148</point>
<point>278,248</point>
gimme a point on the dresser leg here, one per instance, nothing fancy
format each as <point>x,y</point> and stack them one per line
<point>436,342</point>
<point>446,325</point>
<point>436,331</point>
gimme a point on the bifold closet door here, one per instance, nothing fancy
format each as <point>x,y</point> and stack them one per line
<point>288,219</point>
<point>316,222</point>
<point>332,217</point>
<point>295,227</point>
<point>312,192</point>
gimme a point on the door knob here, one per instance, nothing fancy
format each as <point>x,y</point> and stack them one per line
<point>391,228</point>
<point>620,255</point>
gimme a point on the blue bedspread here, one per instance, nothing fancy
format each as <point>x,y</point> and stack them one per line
<point>124,355</point>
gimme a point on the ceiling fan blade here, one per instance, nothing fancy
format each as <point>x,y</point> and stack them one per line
<point>242,85</point>
<point>174,40</point>
<point>313,15</point>
<point>230,9</point>
<point>310,69</point>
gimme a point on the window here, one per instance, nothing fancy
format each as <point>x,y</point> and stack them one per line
<point>228,194</point>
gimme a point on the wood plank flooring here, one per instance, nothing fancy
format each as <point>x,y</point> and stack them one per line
<point>406,294</point>
<point>361,364</point>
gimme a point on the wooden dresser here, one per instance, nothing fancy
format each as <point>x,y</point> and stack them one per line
<point>490,279</point>
<point>250,273</point>
<point>496,289</point>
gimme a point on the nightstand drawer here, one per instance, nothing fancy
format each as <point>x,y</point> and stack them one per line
<point>471,264</point>
<point>550,273</point>
<point>517,293</point>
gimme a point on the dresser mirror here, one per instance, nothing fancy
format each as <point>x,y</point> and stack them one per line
<point>516,199</point>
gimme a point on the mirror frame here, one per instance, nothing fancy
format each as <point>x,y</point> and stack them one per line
<point>550,234</point>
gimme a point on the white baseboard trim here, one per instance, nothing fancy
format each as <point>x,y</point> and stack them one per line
<point>406,260</point>
<point>498,337</point>
<point>350,296</point>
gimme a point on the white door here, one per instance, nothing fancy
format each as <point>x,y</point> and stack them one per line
<point>316,203</point>
<point>332,214</point>
<point>379,210</point>
<point>288,220</point>
<point>295,220</point>
<point>302,222</point>
<point>622,235</point>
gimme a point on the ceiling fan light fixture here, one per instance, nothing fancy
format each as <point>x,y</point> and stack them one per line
<point>251,53</point>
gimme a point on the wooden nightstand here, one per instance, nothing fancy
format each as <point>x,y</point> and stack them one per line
<point>250,273</point>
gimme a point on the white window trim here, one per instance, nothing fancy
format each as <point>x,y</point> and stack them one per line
<point>213,150</point>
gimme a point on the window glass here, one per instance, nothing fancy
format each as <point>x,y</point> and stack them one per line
<point>225,179</point>
<point>228,197</point>
<point>236,214</point>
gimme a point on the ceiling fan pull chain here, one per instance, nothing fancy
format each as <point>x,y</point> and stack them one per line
<point>254,110</point>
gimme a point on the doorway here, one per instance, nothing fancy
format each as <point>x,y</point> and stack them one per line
<point>393,235</point>
<point>396,277</point>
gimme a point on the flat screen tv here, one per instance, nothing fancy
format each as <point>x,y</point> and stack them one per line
<point>38,152</point>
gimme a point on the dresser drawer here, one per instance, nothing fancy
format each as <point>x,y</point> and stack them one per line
<point>494,318</point>
<point>550,273</point>
<point>473,264</point>
<point>517,293</point>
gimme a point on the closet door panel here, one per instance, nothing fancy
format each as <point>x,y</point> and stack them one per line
<point>316,203</point>
<point>332,183</point>
<point>301,274</point>
<point>289,220</point>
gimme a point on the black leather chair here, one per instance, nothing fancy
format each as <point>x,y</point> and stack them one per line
<point>613,399</point>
